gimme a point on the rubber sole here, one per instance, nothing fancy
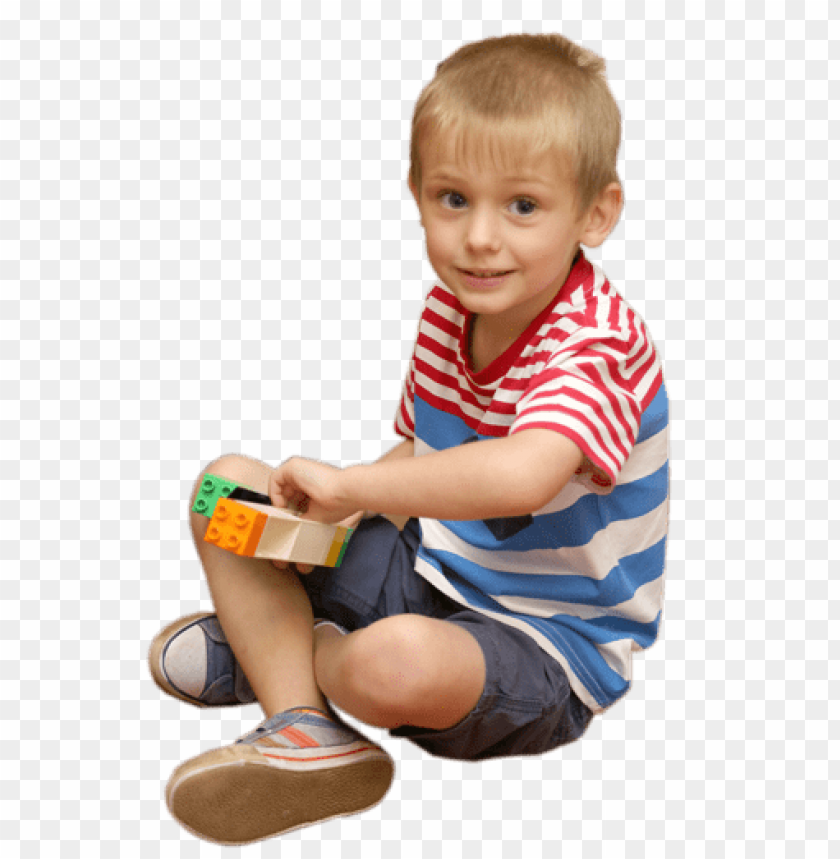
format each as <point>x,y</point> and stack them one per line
<point>234,796</point>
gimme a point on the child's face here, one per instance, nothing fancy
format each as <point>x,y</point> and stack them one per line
<point>519,223</point>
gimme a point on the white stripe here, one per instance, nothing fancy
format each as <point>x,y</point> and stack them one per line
<point>425,354</point>
<point>619,656</point>
<point>623,398</point>
<point>650,377</point>
<point>450,314</point>
<point>646,458</point>
<point>594,560</point>
<point>642,607</point>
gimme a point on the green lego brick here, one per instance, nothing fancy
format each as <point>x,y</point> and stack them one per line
<point>212,489</point>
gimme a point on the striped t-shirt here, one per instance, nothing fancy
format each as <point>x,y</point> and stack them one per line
<point>583,576</point>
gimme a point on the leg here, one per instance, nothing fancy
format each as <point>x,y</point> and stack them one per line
<point>403,670</point>
<point>265,612</point>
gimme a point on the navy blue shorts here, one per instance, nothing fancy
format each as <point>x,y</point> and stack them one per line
<point>527,706</point>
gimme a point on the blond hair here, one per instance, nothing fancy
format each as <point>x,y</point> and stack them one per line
<point>530,95</point>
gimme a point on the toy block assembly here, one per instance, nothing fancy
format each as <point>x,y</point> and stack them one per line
<point>262,531</point>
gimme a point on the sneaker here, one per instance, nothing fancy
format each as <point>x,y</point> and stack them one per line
<point>299,767</point>
<point>191,660</point>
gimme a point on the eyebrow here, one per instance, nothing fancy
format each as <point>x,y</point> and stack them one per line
<point>529,179</point>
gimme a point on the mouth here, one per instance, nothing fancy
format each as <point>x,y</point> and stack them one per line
<point>484,274</point>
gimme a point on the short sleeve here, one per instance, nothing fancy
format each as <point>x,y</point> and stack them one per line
<point>593,390</point>
<point>404,420</point>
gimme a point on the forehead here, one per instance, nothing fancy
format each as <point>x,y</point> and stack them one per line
<point>471,151</point>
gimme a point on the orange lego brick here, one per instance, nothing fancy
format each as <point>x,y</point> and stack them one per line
<point>235,527</point>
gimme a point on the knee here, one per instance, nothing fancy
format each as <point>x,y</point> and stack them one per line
<point>389,671</point>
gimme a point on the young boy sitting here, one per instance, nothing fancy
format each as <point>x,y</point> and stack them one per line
<point>533,470</point>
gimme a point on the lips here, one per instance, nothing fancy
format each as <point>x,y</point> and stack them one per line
<point>484,272</point>
<point>483,280</point>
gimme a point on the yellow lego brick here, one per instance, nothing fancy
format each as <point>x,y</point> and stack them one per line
<point>235,527</point>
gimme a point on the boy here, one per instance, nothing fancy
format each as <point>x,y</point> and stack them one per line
<point>533,467</point>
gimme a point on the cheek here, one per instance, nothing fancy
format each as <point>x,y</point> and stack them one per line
<point>536,252</point>
<point>544,263</point>
<point>437,246</point>
<point>544,247</point>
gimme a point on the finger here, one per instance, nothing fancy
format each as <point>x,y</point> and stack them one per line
<point>304,569</point>
<point>275,490</point>
<point>281,565</point>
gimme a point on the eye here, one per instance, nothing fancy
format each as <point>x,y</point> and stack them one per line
<point>523,206</point>
<point>452,199</point>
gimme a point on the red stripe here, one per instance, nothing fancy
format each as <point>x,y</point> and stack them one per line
<point>323,757</point>
<point>448,382</point>
<point>296,736</point>
<point>441,323</point>
<point>441,350</point>
<point>445,297</point>
<point>613,399</point>
<point>613,416</point>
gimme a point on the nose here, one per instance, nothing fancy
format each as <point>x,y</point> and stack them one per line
<point>483,232</point>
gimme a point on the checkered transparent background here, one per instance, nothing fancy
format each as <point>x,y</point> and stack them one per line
<point>207,245</point>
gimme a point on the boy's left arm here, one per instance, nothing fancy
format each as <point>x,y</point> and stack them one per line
<point>493,478</point>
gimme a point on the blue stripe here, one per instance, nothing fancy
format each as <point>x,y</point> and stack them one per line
<point>438,429</point>
<point>578,524</point>
<point>620,585</point>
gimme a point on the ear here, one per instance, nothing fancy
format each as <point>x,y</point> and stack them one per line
<point>602,216</point>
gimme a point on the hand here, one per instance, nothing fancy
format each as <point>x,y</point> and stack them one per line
<point>305,569</point>
<point>315,491</point>
<point>312,488</point>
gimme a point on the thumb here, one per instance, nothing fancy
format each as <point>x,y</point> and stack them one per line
<point>353,521</point>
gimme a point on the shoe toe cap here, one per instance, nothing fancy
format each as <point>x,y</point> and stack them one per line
<point>184,661</point>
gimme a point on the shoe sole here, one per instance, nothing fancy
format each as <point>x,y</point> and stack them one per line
<point>234,795</point>
<point>156,657</point>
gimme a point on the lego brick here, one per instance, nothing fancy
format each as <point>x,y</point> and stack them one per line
<point>211,490</point>
<point>236,527</point>
<point>263,531</point>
